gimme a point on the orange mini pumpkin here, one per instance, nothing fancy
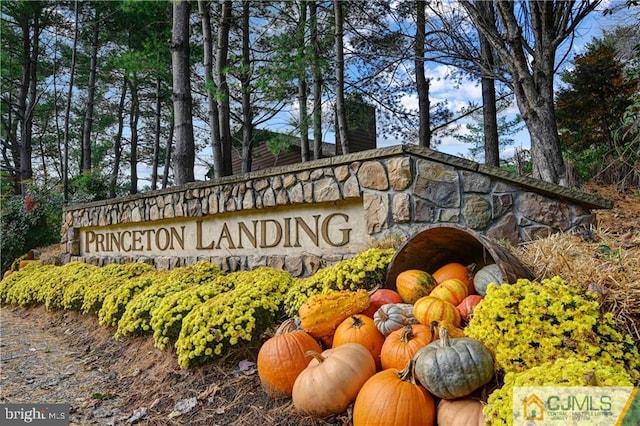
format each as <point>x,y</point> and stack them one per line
<point>360,329</point>
<point>282,357</point>
<point>428,309</point>
<point>402,344</point>
<point>455,270</point>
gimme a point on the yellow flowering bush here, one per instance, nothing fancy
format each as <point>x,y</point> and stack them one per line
<point>561,372</point>
<point>29,286</point>
<point>236,316</point>
<point>66,275</point>
<point>167,315</point>
<point>528,323</point>
<point>107,279</point>
<point>365,270</point>
<point>116,301</point>
<point>136,318</point>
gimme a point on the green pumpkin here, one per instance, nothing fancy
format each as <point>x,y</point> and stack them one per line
<point>453,368</point>
<point>485,276</point>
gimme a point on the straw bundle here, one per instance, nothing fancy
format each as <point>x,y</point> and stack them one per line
<point>599,261</point>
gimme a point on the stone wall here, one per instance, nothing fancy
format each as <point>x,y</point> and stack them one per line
<point>403,190</point>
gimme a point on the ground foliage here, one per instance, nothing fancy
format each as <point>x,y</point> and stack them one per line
<point>228,392</point>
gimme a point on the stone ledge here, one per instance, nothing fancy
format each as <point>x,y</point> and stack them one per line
<point>588,201</point>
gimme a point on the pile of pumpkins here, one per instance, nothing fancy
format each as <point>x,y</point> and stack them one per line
<point>390,353</point>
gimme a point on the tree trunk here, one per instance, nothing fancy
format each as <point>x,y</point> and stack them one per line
<point>341,114</point>
<point>185,146</point>
<point>422,84</point>
<point>214,124</point>
<point>317,83</point>
<point>167,161</point>
<point>490,121</point>
<point>527,49</point>
<point>156,140</point>
<point>489,108</point>
<point>224,109</point>
<point>133,125</point>
<point>534,96</point>
<point>27,95</point>
<point>67,112</point>
<point>245,76</point>
<point>546,158</point>
<point>302,83</point>
<point>117,144</point>
<point>91,92</point>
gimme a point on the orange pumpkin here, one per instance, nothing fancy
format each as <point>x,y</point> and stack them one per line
<point>393,397</point>
<point>455,270</point>
<point>7,273</point>
<point>24,263</point>
<point>428,309</point>
<point>467,306</point>
<point>360,329</point>
<point>402,344</point>
<point>460,412</point>
<point>381,296</point>
<point>413,284</point>
<point>332,380</point>
<point>282,357</point>
<point>452,290</point>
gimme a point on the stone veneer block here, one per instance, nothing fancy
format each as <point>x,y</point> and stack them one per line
<point>401,211</point>
<point>400,175</point>
<point>326,189</point>
<point>372,175</point>
<point>437,183</point>
<point>476,212</point>
<point>475,182</point>
<point>376,210</point>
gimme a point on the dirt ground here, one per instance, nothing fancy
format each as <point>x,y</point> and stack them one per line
<point>66,357</point>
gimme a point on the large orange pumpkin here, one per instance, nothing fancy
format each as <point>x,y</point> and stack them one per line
<point>402,344</point>
<point>413,284</point>
<point>458,271</point>
<point>428,309</point>
<point>332,380</point>
<point>282,357</point>
<point>381,296</point>
<point>452,290</point>
<point>392,397</point>
<point>360,329</point>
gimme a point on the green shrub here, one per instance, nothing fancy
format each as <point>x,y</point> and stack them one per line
<point>28,222</point>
